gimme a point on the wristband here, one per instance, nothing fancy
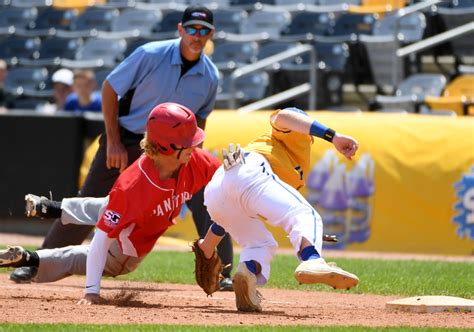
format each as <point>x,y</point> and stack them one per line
<point>319,130</point>
<point>329,135</point>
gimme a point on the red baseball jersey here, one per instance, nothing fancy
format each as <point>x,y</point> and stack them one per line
<point>141,206</point>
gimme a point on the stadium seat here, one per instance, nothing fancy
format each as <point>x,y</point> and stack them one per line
<point>295,2</point>
<point>458,97</point>
<point>334,55</point>
<point>410,27</point>
<point>249,4</point>
<point>39,4</point>
<point>18,17</point>
<point>462,3</point>
<point>53,50</point>
<point>377,6</point>
<point>269,22</point>
<point>412,92</point>
<point>304,25</point>
<point>337,2</point>
<point>465,69</point>
<point>463,46</point>
<point>229,20</point>
<point>109,51</point>
<point>274,47</point>
<point>26,81</point>
<point>167,2</point>
<point>249,88</point>
<point>167,27</point>
<point>14,48</point>
<point>55,18</point>
<point>94,18</point>
<point>386,68</point>
<point>349,23</point>
<point>212,3</point>
<point>78,4</point>
<point>230,55</point>
<point>139,20</point>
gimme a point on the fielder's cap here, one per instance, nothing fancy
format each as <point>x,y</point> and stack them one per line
<point>64,76</point>
<point>198,15</point>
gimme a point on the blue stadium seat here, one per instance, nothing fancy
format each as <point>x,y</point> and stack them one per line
<point>268,22</point>
<point>304,25</point>
<point>249,88</point>
<point>412,91</point>
<point>53,50</point>
<point>14,48</point>
<point>27,81</point>
<point>410,27</point>
<point>55,18</point>
<point>230,55</point>
<point>99,19</point>
<point>229,20</point>
<point>463,46</point>
<point>349,23</point>
<point>18,17</point>
<point>109,51</point>
<point>167,27</point>
<point>139,20</point>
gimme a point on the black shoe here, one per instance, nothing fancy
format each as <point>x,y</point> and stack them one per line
<point>42,207</point>
<point>226,285</point>
<point>23,275</point>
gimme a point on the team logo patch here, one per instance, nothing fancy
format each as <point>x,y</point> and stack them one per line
<point>198,14</point>
<point>111,218</point>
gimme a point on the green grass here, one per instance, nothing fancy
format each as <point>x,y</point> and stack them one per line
<point>377,276</point>
<point>179,328</point>
<point>392,277</point>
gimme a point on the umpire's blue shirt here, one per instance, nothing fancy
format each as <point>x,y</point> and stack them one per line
<point>152,75</point>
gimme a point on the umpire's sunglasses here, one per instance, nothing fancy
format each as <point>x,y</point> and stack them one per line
<point>193,31</point>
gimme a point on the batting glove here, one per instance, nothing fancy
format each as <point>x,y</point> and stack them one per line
<point>231,157</point>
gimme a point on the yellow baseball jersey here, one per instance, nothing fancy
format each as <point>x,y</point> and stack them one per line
<point>288,153</point>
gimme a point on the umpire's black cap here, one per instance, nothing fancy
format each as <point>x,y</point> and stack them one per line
<point>198,15</point>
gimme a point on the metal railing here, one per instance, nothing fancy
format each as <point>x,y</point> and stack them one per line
<point>399,15</point>
<point>285,95</point>
<point>436,40</point>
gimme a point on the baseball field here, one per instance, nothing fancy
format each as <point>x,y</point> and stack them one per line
<point>162,296</point>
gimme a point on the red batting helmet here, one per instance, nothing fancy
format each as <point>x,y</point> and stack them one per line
<point>171,126</point>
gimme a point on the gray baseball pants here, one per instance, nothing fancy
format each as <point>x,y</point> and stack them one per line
<point>59,263</point>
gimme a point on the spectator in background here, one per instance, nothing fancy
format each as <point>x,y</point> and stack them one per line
<point>7,100</point>
<point>62,87</point>
<point>84,97</point>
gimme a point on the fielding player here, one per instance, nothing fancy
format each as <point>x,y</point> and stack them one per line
<point>142,204</point>
<point>264,188</point>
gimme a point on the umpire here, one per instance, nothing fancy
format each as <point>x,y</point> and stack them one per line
<point>164,71</point>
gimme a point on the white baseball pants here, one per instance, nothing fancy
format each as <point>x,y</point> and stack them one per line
<point>241,199</point>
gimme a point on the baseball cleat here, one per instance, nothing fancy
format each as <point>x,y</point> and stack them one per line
<point>41,207</point>
<point>13,256</point>
<point>247,298</point>
<point>24,274</point>
<point>317,271</point>
<point>225,285</point>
